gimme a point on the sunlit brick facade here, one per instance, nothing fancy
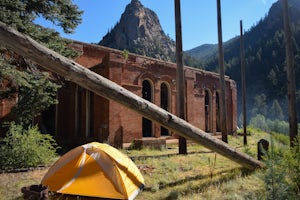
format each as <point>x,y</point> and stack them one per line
<point>82,116</point>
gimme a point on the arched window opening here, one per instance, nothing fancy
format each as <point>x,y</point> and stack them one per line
<point>147,94</point>
<point>218,116</point>
<point>164,104</point>
<point>207,111</point>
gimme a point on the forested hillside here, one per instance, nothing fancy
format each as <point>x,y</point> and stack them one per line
<point>265,62</point>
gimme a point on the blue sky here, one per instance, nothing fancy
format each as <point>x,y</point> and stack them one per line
<point>199,18</point>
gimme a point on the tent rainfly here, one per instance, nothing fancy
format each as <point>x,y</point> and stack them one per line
<point>95,170</point>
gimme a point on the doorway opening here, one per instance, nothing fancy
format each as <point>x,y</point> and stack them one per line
<point>49,121</point>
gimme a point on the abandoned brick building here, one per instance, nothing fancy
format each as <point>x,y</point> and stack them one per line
<point>81,116</point>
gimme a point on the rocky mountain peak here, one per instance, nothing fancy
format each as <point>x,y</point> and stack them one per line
<point>139,31</point>
<point>136,3</point>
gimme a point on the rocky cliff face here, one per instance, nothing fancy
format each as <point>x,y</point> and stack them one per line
<point>139,31</point>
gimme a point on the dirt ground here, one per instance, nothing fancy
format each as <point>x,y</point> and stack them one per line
<point>11,183</point>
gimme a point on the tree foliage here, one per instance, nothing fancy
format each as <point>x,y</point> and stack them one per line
<point>259,122</point>
<point>276,111</point>
<point>269,125</point>
<point>260,105</point>
<point>36,91</point>
<point>20,14</point>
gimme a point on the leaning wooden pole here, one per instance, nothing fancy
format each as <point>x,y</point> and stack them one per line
<point>70,70</point>
<point>222,75</point>
<point>291,82</point>
<point>180,83</point>
<point>243,66</point>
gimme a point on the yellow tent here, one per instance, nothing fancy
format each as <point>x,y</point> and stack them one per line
<point>95,170</point>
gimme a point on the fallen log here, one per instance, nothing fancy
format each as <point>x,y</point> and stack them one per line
<point>70,70</point>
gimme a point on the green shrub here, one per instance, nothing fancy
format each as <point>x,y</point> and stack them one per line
<point>23,148</point>
<point>259,121</point>
<point>282,177</point>
<point>292,166</point>
<point>252,131</point>
<point>281,138</point>
<point>278,126</point>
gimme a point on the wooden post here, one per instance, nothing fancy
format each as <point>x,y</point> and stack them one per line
<point>290,75</point>
<point>70,70</point>
<point>180,84</point>
<point>222,74</point>
<point>243,66</point>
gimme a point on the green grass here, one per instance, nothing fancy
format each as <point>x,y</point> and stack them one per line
<point>11,183</point>
<point>195,176</point>
<point>201,174</point>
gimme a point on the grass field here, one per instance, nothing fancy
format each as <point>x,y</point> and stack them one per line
<point>201,174</point>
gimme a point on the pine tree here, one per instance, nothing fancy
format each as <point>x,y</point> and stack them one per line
<point>35,90</point>
<point>260,105</point>
<point>276,111</point>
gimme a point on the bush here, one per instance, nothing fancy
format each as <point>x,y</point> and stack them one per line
<point>281,138</point>
<point>292,166</point>
<point>23,148</point>
<point>278,126</point>
<point>282,176</point>
<point>259,121</point>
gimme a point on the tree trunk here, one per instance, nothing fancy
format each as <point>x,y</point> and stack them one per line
<point>290,75</point>
<point>89,80</point>
<point>222,74</point>
<point>243,66</point>
<point>180,83</point>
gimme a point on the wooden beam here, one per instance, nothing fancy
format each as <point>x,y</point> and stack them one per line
<point>52,61</point>
<point>290,71</point>
<point>243,69</point>
<point>223,104</point>
<point>180,82</point>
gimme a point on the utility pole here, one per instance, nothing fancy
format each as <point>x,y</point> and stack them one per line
<point>180,85</point>
<point>243,66</point>
<point>222,74</point>
<point>290,75</point>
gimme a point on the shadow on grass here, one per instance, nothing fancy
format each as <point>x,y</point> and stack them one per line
<point>229,175</point>
<point>167,155</point>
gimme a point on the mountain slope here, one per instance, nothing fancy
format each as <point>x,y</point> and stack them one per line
<point>265,60</point>
<point>139,31</point>
<point>203,52</point>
